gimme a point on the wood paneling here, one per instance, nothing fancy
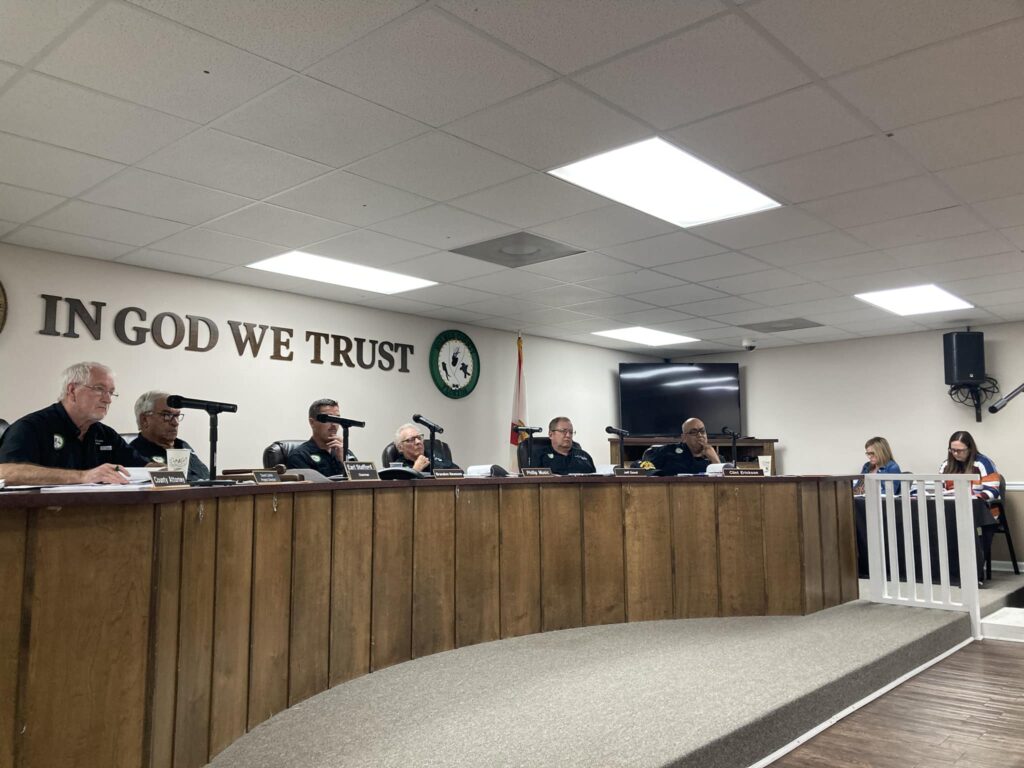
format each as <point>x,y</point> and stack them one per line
<point>477,612</point>
<point>604,585</point>
<point>849,587</point>
<point>830,583</point>
<point>229,697</point>
<point>391,640</point>
<point>740,548</point>
<point>163,647</point>
<point>519,559</point>
<point>810,543</point>
<point>350,585</point>
<point>195,634</point>
<point>561,570</point>
<point>433,571</point>
<point>783,577</point>
<point>83,564</point>
<point>12,573</point>
<point>311,596</point>
<point>271,606</point>
<point>648,548</point>
<point>695,548</point>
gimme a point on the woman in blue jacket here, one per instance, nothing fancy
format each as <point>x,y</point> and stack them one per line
<point>879,461</point>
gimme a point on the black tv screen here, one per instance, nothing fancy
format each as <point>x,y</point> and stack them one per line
<point>656,398</point>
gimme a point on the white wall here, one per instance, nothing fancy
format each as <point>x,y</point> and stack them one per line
<point>823,401</point>
<point>273,396</point>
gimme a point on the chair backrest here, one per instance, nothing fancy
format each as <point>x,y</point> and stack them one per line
<point>277,452</point>
<point>647,453</point>
<point>3,428</point>
<point>390,453</point>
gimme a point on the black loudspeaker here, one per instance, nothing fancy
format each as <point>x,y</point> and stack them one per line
<point>964,353</point>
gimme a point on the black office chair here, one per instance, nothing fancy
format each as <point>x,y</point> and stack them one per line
<point>998,507</point>
<point>540,445</point>
<point>390,453</point>
<point>277,452</point>
<point>646,455</point>
<point>3,428</point>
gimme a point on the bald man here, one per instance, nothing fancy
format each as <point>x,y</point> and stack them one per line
<point>692,456</point>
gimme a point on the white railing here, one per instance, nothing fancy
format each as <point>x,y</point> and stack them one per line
<point>891,589</point>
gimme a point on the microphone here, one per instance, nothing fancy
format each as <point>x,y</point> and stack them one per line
<point>177,401</point>
<point>427,423</point>
<point>325,418</point>
<point>729,432</point>
<point>616,431</point>
<point>527,430</point>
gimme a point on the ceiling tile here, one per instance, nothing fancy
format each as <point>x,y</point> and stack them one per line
<point>721,306</point>
<point>950,249</point>
<point>654,316</point>
<point>278,225</point>
<point>454,295</point>
<point>442,227</point>
<point>444,266</point>
<point>886,201</point>
<point>755,281</point>
<point>31,25</point>
<point>834,37</point>
<point>566,295</point>
<point>305,288</point>
<point>710,68</point>
<point>220,161</point>
<point>988,180</point>
<point>968,137</point>
<point>975,287</point>
<point>163,197</point>
<point>603,227</point>
<point>351,199</point>
<point>759,315</point>
<point>549,127</point>
<point>173,262</point>
<point>509,282</point>
<point>979,266</point>
<point>504,306</point>
<point>720,265</point>
<point>664,249</point>
<point>882,281</point>
<point>883,326</point>
<point>815,308</point>
<point>217,246</point>
<point>617,305</point>
<point>438,166</point>
<point>370,248</point>
<point>144,58</point>
<point>7,226</point>
<point>1004,212</point>
<point>455,315</point>
<point>64,242</point>
<point>817,334</point>
<point>863,163</point>
<point>678,295</point>
<point>938,80</point>
<point>18,204</point>
<point>571,34</point>
<point>833,269</point>
<point>530,200</point>
<point>316,121</point>
<point>70,116</point>
<point>103,223</point>
<point>7,71</point>
<point>790,295</point>
<point>627,283</point>
<point>692,326</point>
<point>920,228</point>
<point>580,266</point>
<point>1015,235</point>
<point>812,248</point>
<point>293,34</point>
<point>761,228</point>
<point>399,303</point>
<point>38,166</point>
<point>794,123</point>
<point>430,67</point>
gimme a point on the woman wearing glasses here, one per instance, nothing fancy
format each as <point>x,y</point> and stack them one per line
<point>965,459</point>
<point>879,461</point>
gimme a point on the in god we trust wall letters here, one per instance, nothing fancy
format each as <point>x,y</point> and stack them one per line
<point>63,316</point>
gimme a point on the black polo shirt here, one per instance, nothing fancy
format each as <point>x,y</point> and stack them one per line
<point>441,462</point>
<point>196,469</point>
<point>49,438</point>
<point>577,462</point>
<point>676,459</point>
<point>310,456</point>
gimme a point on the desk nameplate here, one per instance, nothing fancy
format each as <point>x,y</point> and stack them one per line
<point>361,470</point>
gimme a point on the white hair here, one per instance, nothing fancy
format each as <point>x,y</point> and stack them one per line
<point>146,403</point>
<point>80,373</point>
<point>398,432</point>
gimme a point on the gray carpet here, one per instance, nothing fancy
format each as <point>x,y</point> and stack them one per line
<point>700,692</point>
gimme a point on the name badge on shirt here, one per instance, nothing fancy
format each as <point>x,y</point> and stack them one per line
<point>106,447</point>
<point>58,442</point>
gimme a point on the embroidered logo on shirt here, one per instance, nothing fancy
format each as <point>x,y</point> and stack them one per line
<point>58,442</point>
<point>314,457</point>
<point>679,450</point>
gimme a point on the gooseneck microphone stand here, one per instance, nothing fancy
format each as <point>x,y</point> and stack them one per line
<point>998,404</point>
<point>214,409</point>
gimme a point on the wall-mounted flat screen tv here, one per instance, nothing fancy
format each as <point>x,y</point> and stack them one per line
<point>655,398</point>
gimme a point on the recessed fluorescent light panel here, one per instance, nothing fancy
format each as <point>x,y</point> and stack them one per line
<point>646,336</point>
<point>326,270</point>
<point>917,300</point>
<point>658,178</point>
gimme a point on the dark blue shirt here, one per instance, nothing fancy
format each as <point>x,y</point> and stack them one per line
<point>576,462</point>
<point>196,469</point>
<point>49,438</point>
<point>310,456</point>
<point>676,459</point>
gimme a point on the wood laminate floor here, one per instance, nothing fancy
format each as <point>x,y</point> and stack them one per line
<point>967,711</point>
